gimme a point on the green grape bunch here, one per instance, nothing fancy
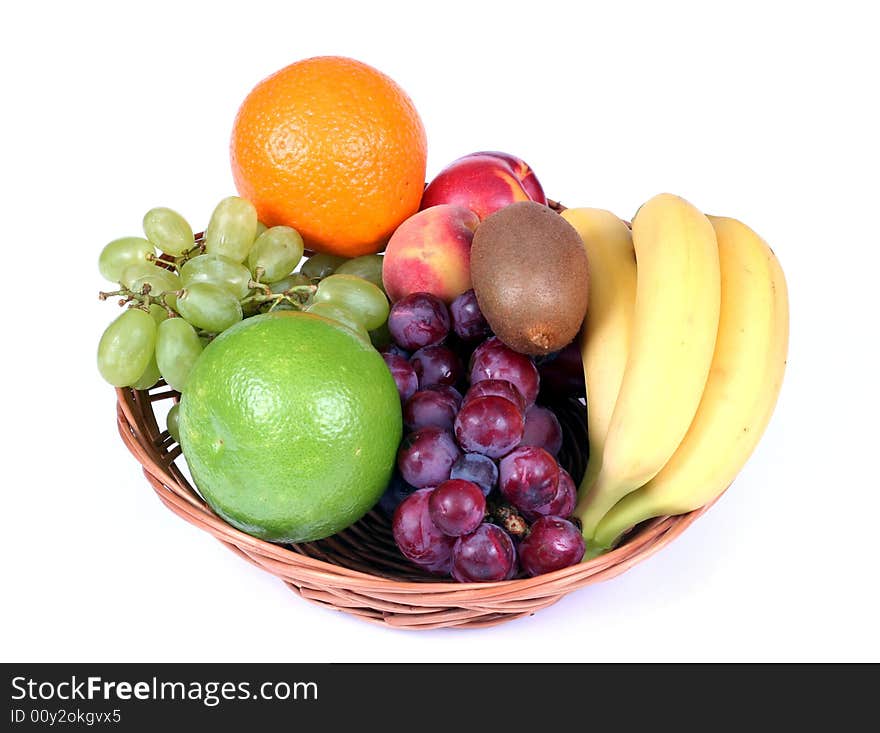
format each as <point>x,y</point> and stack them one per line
<point>179,290</point>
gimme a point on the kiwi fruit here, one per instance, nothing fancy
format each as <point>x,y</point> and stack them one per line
<point>531,277</point>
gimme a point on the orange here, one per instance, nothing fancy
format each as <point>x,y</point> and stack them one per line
<point>333,148</point>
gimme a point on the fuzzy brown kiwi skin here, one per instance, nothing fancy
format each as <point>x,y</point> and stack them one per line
<point>531,277</point>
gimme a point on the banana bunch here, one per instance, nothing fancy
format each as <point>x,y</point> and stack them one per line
<point>684,348</point>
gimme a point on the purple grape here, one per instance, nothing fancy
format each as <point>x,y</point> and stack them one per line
<point>562,373</point>
<point>542,429</point>
<point>493,360</point>
<point>467,318</point>
<point>489,425</point>
<point>397,491</point>
<point>498,387</point>
<point>417,320</point>
<point>430,408</point>
<point>404,375</point>
<point>436,364</point>
<point>426,457</point>
<point>443,567</point>
<point>562,504</point>
<point>457,507</point>
<point>478,469</point>
<point>392,348</point>
<point>447,390</point>
<point>528,477</point>
<point>486,554</point>
<point>514,567</point>
<point>416,535</point>
<point>553,543</point>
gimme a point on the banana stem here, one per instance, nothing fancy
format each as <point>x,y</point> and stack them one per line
<point>596,502</point>
<point>593,550</point>
<point>627,513</point>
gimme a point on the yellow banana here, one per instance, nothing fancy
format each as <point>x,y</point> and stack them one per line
<point>675,323</point>
<point>604,338</point>
<point>741,392</point>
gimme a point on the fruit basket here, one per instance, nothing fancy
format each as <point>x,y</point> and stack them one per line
<point>675,327</point>
<point>359,570</point>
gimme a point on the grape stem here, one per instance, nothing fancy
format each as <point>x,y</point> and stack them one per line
<point>143,299</point>
<point>508,518</point>
<point>297,296</point>
<point>255,284</point>
<point>175,263</point>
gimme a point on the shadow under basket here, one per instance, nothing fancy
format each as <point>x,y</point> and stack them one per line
<point>359,570</point>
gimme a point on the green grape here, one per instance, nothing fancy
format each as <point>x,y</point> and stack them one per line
<point>368,267</point>
<point>321,265</point>
<point>277,251</point>
<point>177,348</point>
<point>340,315</point>
<point>209,307</point>
<point>219,270</point>
<point>250,308</point>
<point>159,313</point>
<point>126,347</point>
<point>380,337</point>
<point>205,340</point>
<point>172,422</point>
<point>136,271</point>
<point>160,281</point>
<point>291,281</point>
<point>150,376</point>
<point>260,229</point>
<point>362,299</point>
<point>232,229</point>
<point>148,273</point>
<point>121,253</point>
<point>168,230</point>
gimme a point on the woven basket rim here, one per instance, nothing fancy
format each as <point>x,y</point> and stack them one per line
<point>177,494</point>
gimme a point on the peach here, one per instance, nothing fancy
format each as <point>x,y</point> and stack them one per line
<point>431,253</point>
<point>484,182</point>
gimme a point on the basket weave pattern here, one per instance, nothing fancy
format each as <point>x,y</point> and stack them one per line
<point>360,570</point>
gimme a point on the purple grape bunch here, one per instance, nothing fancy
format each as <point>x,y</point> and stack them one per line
<point>478,494</point>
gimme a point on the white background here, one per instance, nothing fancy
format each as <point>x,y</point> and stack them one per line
<point>763,111</point>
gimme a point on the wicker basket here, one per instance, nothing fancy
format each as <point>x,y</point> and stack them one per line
<point>359,570</point>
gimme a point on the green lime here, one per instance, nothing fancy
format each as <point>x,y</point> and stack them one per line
<point>290,426</point>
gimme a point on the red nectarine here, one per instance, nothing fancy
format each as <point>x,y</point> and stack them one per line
<point>484,182</point>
